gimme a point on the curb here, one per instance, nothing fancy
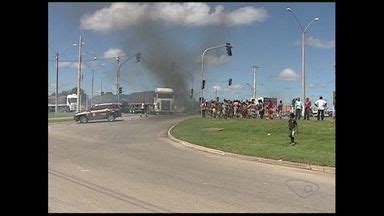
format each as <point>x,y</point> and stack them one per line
<point>325,169</point>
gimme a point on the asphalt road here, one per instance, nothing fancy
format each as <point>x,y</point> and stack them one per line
<point>131,166</point>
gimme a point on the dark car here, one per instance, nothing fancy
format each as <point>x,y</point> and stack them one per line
<point>105,111</point>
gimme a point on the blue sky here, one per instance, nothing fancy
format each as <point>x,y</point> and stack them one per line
<point>262,34</point>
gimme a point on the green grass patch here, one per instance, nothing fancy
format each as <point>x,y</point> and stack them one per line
<point>60,115</point>
<point>315,140</point>
<point>54,120</point>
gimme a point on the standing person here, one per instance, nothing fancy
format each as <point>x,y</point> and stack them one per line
<point>280,108</point>
<point>298,107</point>
<point>293,128</point>
<point>307,108</point>
<point>143,111</point>
<point>213,109</point>
<point>334,112</point>
<point>270,109</point>
<point>261,109</point>
<point>203,106</point>
<point>321,104</point>
<point>293,105</point>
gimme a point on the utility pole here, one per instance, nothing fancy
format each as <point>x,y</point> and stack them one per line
<point>254,82</point>
<point>93,73</point>
<point>78,107</point>
<point>57,83</point>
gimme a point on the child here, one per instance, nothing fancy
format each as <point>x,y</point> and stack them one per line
<point>293,128</point>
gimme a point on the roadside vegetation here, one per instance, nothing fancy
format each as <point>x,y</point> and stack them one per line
<point>263,138</point>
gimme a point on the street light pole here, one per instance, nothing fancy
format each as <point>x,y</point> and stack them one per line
<point>92,88</point>
<point>57,83</point>
<point>303,31</point>
<point>254,81</point>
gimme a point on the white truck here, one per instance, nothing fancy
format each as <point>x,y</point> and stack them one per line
<point>72,102</point>
<point>163,101</point>
<point>65,104</point>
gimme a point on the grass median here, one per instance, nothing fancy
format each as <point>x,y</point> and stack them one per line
<point>59,117</point>
<point>315,140</point>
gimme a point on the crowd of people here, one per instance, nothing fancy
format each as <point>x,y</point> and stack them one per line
<point>260,109</point>
<point>320,104</point>
<point>241,109</point>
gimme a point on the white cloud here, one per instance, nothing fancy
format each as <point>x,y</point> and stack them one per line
<point>123,15</point>
<point>234,88</point>
<point>318,85</point>
<point>315,42</point>
<point>215,60</point>
<point>111,53</point>
<point>288,74</point>
<point>68,64</point>
<point>320,44</point>
<point>247,15</point>
<point>213,89</point>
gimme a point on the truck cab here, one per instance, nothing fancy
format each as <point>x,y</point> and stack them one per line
<point>72,102</point>
<point>164,100</point>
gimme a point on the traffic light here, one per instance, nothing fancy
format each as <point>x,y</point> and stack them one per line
<point>203,84</point>
<point>120,90</point>
<point>102,93</point>
<point>138,55</point>
<point>217,99</point>
<point>191,95</point>
<point>229,49</point>
<point>230,82</point>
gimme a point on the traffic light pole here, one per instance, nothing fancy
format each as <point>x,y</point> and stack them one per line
<point>117,77</point>
<point>137,55</point>
<point>202,74</point>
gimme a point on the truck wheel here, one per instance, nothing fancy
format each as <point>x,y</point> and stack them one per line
<point>111,117</point>
<point>83,119</point>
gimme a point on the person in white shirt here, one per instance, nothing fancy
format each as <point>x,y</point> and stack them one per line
<point>298,107</point>
<point>143,111</point>
<point>321,105</point>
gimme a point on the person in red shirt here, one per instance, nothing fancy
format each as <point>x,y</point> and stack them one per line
<point>307,108</point>
<point>270,109</point>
